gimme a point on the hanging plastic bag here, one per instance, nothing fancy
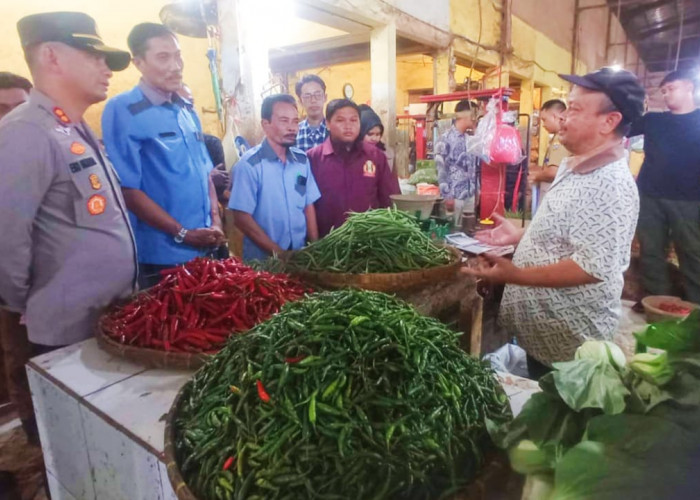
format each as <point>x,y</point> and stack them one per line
<point>480,143</point>
<point>495,141</point>
<point>506,146</point>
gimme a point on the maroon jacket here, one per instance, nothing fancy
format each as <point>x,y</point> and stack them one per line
<point>350,181</point>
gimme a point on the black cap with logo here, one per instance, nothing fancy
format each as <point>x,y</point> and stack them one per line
<point>621,86</point>
<point>72,28</point>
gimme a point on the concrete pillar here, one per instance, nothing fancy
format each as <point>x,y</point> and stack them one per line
<point>527,91</point>
<point>441,72</point>
<point>383,68</point>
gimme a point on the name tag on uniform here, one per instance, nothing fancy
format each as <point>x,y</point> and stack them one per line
<point>167,134</point>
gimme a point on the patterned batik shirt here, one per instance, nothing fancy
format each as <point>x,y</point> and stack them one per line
<point>456,168</point>
<point>588,216</point>
<point>309,137</point>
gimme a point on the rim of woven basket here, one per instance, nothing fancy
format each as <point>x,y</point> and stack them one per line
<point>147,356</point>
<point>384,281</point>
<point>182,491</point>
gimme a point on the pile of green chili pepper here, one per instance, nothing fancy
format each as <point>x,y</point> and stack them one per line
<point>346,394</point>
<point>378,241</point>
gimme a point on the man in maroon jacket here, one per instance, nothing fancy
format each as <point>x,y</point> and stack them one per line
<point>352,175</point>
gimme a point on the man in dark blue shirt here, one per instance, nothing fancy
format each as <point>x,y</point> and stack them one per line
<point>155,141</point>
<point>669,187</point>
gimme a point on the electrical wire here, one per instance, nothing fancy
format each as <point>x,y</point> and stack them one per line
<point>681,6</point>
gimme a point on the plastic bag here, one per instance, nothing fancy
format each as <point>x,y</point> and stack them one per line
<point>495,141</point>
<point>506,146</point>
<point>509,358</point>
<point>480,143</point>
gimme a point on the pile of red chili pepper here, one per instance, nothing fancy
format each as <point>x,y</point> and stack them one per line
<point>197,306</point>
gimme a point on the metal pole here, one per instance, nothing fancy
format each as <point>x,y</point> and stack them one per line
<point>574,43</point>
<point>607,37</point>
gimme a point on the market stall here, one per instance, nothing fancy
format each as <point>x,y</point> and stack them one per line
<point>102,421</point>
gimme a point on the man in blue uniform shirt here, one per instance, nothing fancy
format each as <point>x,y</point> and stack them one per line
<point>155,141</point>
<point>274,190</point>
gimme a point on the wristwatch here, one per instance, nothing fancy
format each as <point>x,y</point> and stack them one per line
<point>180,236</point>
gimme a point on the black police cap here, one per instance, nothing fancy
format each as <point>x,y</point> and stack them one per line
<point>621,86</point>
<point>72,28</point>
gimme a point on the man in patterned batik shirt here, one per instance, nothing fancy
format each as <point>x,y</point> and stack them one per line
<point>456,168</point>
<point>565,281</point>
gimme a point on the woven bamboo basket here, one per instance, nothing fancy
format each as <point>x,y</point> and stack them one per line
<point>182,491</point>
<point>150,357</point>
<point>495,480</point>
<point>384,282</point>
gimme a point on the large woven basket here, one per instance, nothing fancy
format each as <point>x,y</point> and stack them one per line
<point>495,480</point>
<point>182,491</point>
<point>150,357</point>
<point>384,282</point>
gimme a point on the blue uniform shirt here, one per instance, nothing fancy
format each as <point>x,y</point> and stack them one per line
<point>275,194</point>
<point>155,143</point>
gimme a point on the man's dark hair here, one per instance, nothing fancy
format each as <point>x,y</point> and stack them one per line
<point>269,102</point>
<point>307,79</point>
<point>607,106</point>
<point>11,81</point>
<point>140,35</point>
<point>464,105</point>
<point>337,104</point>
<point>681,74</point>
<point>554,105</point>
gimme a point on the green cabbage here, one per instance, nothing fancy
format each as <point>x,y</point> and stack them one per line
<point>602,350</point>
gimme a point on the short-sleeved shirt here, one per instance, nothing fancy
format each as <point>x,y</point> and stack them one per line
<point>309,137</point>
<point>350,181</point>
<point>588,216</point>
<point>554,156</point>
<point>67,250</point>
<point>456,168</point>
<point>156,145</point>
<point>671,168</point>
<point>275,194</point>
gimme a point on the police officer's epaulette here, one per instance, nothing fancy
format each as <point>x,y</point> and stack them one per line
<point>137,107</point>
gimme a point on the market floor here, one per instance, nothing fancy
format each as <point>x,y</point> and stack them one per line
<point>23,460</point>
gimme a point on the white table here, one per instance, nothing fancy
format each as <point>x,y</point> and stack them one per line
<point>101,422</point>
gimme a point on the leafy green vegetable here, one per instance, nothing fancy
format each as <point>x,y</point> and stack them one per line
<point>674,336</point>
<point>587,383</point>
<point>654,368</point>
<point>603,351</point>
<point>527,458</point>
<point>630,456</point>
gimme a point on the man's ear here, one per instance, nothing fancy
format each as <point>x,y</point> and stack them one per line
<point>612,120</point>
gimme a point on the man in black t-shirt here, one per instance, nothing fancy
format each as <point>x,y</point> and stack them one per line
<point>669,187</point>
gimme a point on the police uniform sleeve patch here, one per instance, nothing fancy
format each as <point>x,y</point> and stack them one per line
<point>96,204</point>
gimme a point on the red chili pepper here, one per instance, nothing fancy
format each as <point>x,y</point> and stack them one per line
<point>228,463</point>
<point>264,396</point>
<point>296,359</point>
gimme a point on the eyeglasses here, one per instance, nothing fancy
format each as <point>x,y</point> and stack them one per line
<point>316,96</point>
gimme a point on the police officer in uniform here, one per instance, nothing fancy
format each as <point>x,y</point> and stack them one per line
<point>67,249</point>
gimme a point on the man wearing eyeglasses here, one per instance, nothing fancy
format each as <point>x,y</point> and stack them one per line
<point>311,91</point>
